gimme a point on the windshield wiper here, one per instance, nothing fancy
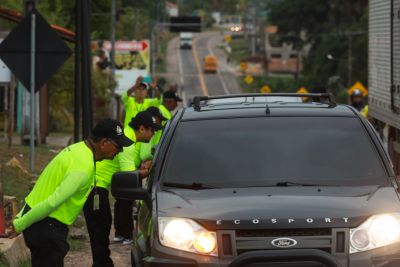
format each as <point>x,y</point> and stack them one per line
<point>288,183</point>
<point>194,186</point>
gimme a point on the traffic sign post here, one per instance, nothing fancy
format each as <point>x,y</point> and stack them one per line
<point>33,41</point>
<point>32,89</point>
<point>265,89</point>
<point>249,79</point>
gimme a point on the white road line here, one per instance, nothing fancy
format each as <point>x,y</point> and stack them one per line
<point>221,79</point>
<point>210,51</point>
<point>182,80</point>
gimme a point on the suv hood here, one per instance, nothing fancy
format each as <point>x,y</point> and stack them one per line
<point>278,207</point>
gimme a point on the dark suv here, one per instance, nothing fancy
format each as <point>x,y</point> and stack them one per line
<point>267,180</point>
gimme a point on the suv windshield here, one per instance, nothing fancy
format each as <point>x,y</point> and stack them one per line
<point>267,151</point>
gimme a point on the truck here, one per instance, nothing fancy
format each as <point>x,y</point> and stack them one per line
<point>384,73</point>
<point>185,40</point>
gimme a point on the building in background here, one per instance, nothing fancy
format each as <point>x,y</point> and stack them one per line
<point>171,9</point>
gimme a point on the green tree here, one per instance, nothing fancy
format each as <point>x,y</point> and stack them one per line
<point>325,27</point>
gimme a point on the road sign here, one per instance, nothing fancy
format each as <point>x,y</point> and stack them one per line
<point>243,66</point>
<point>265,89</point>
<point>228,38</point>
<point>249,79</point>
<point>302,90</point>
<point>51,51</point>
<point>358,86</point>
<point>185,24</point>
<point>127,45</point>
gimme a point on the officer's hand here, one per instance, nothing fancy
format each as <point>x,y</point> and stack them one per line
<point>146,164</point>
<point>154,82</point>
<point>143,173</point>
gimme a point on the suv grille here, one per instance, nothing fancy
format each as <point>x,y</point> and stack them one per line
<point>334,241</point>
<point>283,232</point>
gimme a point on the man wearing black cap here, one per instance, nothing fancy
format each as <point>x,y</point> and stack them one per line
<point>147,148</point>
<point>144,126</point>
<point>97,207</point>
<point>61,191</point>
<point>135,99</point>
<point>170,102</point>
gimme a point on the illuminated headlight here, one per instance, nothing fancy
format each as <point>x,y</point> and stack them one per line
<point>377,231</point>
<point>187,235</point>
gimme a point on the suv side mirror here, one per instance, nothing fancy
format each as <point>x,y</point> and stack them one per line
<point>128,185</point>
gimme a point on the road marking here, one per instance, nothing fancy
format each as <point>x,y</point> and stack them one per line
<point>201,76</point>
<point>209,47</point>
<point>221,79</point>
<point>182,80</point>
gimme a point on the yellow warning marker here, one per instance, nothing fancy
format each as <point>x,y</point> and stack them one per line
<point>228,38</point>
<point>302,90</point>
<point>249,79</point>
<point>358,86</point>
<point>243,66</point>
<point>265,89</point>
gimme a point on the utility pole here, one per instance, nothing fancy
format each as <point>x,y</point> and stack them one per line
<point>350,59</point>
<point>30,5</point>
<point>253,30</point>
<point>112,37</point>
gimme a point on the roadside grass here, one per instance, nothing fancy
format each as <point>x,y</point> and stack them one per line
<point>278,84</point>
<point>17,180</point>
<point>240,50</point>
<point>161,59</point>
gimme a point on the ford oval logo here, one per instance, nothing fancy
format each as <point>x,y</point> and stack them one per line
<point>284,242</point>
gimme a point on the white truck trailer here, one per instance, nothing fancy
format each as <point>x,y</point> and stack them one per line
<point>384,73</point>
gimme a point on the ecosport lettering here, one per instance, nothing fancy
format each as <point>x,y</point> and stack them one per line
<point>290,221</point>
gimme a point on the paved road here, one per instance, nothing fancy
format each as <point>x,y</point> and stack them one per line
<point>185,67</point>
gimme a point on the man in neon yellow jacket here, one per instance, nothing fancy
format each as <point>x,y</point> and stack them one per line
<point>170,103</point>
<point>61,191</point>
<point>99,220</point>
<point>146,149</point>
<point>135,100</point>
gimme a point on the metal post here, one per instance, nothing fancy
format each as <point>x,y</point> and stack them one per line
<point>32,90</point>
<point>78,71</point>
<point>112,31</point>
<point>349,63</point>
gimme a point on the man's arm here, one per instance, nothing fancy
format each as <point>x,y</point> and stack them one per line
<point>128,160</point>
<point>71,184</point>
<point>154,86</point>
<point>136,85</point>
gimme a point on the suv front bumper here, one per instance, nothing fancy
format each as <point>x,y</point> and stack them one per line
<point>383,257</point>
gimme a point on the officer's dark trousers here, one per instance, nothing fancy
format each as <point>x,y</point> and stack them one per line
<point>47,241</point>
<point>99,226</point>
<point>123,218</point>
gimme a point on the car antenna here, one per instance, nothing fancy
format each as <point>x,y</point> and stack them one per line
<point>267,110</point>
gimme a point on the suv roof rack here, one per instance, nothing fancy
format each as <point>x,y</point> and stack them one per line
<point>328,96</point>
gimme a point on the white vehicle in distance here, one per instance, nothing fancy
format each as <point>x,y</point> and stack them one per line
<point>185,40</point>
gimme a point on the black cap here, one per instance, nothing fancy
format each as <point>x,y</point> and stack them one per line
<point>172,95</point>
<point>156,113</point>
<point>145,85</point>
<point>146,119</point>
<point>109,128</point>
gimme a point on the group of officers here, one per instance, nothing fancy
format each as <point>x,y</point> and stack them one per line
<point>79,177</point>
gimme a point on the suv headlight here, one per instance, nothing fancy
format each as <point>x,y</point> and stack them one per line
<point>187,235</point>
<point>377,231</point>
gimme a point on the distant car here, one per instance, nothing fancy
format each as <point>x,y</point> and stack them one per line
<point>236,28</point>
<point>185,40</point>
<point>210,64</point>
